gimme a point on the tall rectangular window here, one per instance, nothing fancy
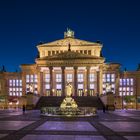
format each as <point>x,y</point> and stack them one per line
<point>69,77</point>
<point>92,86</point>
<point>80,86</point>
<point>47,86</point>
<point>80,77</point>
<point>58,86</point>
<point>92,77</point>
<point>58,77</point>
<point>47,78</point>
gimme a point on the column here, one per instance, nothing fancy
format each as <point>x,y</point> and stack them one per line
<point>98,84</point>
<point>87,80</point>
<point>63,81</point>
<point>75,81</point>
<point>99,81</point>
<point>51,80</point>
<point>41,83</point>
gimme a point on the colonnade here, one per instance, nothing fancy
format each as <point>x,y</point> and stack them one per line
<point>74,82</point>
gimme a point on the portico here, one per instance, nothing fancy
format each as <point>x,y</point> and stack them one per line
<point>84,80</point>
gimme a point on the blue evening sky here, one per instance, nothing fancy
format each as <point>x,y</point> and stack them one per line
<point>24,23</point>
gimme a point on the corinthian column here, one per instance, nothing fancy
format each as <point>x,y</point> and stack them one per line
<point>87,80</point>
<point>51,80</point>
<point>40,82</point>
<point>75,81</point>
<point>63,81</point>
<point>100,81</point>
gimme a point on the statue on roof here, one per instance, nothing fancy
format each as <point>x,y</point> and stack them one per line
<point>69,33</point>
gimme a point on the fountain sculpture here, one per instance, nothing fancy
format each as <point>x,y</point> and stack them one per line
<point>68,107</point>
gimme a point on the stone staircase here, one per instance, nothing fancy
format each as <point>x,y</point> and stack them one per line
<point>88,101</point>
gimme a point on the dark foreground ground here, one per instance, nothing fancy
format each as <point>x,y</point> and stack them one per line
<point>117,125</point>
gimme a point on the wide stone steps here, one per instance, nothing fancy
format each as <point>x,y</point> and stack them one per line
<point>88,101</point>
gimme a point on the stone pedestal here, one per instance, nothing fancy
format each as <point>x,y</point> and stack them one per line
<point>68,102</point>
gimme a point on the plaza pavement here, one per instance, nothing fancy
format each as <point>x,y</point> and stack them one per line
<point>117,125</point>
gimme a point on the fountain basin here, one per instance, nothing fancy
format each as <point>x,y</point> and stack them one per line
<point>69,112</point>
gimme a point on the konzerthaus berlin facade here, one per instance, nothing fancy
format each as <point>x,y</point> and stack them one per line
<point>73,61</point>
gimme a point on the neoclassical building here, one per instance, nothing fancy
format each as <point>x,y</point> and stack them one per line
<point>73,61</point>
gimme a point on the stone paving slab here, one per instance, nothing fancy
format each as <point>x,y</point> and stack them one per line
<point>124,113</point>
<point>67,126</point>
<point>13,125</point>
<point>2,135</point>
<point>61,137</point>
<point>136,117</point>
<point>133,137</point>
<point>123,126</point>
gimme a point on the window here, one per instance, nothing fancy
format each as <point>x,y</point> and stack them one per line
<point>47,78</point>
<point>112,77</point>
<point>20,82</point>
<point>126,85</point>
<point>124,81</point>
<point>104,78</point>
<point>47,86</point>
<point>27,78</point>
<point>120,81</point>
<point>69,77</point>
<point>120,93</point>
<point>17,82</point>
<point>53,52</point>
<point>58,77</point>
<point>58,86</point>
<point>31,78</point>
<point>89,52</point>
<point>49,53</point>
<point>31,83</point>
<point>85,51</point>
<point>15,87</point>
<point>14,82</point>
<point>131,81</point>
<point>92,86</point>
<point>35,78</point>
<point>10,83</point>
<point>80,86</point>
<point>92,77</point>
<point>80,77</point>
<point>108,82</point>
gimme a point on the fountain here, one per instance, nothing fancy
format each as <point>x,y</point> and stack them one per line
<point>68,107</point>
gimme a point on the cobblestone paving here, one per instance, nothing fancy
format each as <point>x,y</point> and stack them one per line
<point>117,125</point>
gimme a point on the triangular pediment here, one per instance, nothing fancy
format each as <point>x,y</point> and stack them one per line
<point>72,41</point>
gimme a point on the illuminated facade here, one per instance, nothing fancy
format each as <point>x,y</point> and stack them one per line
<point>73,61</point>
